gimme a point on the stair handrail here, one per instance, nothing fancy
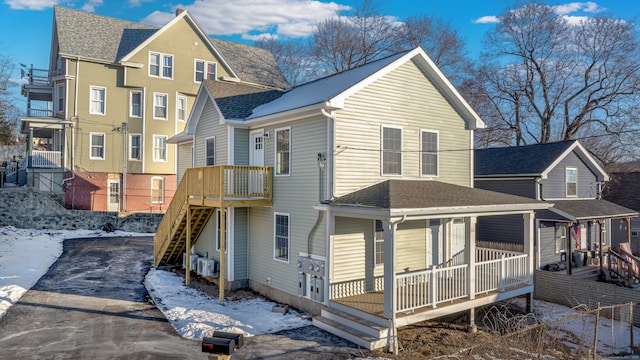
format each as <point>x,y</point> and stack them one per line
<point>619,266</point>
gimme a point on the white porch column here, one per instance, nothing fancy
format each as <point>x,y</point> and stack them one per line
<point>528,242</point>
<point>470,254</point>
<point>389,269</point>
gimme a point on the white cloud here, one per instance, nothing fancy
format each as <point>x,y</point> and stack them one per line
<point>487,20</point>
<point>288,18</point>
<point>31,4</point>
<point>576,20</point>
<point>90,6</point>
<point>135,3</point>
<point>588,7</point>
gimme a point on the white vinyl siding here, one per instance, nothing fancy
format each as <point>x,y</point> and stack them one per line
<point>96,146</point>
<point>135,109</point>
<point>98,100</point>
<point>406,96</point>
<point>391,150</point>
<point>160,65</point>
<point>159,148</point>
<point>428,153</point>
<point>160,106</point>
<point>281,236</point>
<point>135,147</point>
<point>157,190</point>
<point>283,151</point>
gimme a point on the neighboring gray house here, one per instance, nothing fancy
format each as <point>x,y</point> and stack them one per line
<point>350,197</point>
<point>579,225</point>
<point>624,189</point>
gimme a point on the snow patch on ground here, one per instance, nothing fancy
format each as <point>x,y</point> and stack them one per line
<point>196,315</point>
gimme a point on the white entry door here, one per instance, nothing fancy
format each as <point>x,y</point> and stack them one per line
<point>256,151</point>
<point>113,195</point>
<point>457,238</point>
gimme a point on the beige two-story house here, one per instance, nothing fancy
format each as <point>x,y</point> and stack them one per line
<point>99,118</point>
<point>350,197</point>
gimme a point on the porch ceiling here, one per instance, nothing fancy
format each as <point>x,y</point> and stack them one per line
<point>424,197</point>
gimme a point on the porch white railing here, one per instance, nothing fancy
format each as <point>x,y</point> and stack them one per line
<point>501,273</point>
<point>355,287</point>
<point>430,287</point>
<point>46,159</point>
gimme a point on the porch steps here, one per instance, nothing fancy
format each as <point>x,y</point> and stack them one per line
<point>361,332</point>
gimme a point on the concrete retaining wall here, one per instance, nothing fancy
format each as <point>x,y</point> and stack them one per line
<point>565,290</point>
<point>29,209</point>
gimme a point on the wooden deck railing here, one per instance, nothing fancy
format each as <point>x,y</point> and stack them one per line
<point>495,270</point>
<point>624,266</point>
<point>218,185</point>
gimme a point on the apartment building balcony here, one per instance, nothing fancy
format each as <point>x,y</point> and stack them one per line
<point>39,86</point>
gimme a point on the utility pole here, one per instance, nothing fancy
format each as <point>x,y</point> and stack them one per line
<point>124,167</point>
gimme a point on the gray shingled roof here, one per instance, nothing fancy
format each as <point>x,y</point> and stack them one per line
<point>518,160</point>
<point>418,194</point>
<point>591,209</point>
<point>236,100</point>
<point>251,64</point>
<point>321,90</point>
<point>97,37</point>
<point>109,39</point>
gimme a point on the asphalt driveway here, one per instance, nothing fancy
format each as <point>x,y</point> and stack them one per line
<point>92,304</point>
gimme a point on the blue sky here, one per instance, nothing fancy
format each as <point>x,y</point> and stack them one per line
<point>25,25</point>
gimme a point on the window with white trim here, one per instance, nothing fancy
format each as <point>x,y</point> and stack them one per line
<point>281,236</point>
<point>96,144</point>
<point>135,109</point>
<point>135,148</point>
<point>428,153</point>
<point>98,100</point>
<point>571,178</point>
<point>60,98</point>
<point>226,230</point>
<point>159,148</point>
<point>181,108</point>
<point>157,190</point>
<point>378,237</point>
<point>210,151</point>
<point>283,151</point>
<point>204,70</point>
<point>160,65</point>
<point>160,106</point>
<point>391,151</point>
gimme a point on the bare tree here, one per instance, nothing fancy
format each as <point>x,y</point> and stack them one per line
<point>9,112</point>
<point>292,57</point>
<point>551,79</point>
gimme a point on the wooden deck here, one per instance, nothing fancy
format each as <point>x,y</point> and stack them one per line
<point>373,304</point>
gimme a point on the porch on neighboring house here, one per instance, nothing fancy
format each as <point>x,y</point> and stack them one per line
<point>431,267</point>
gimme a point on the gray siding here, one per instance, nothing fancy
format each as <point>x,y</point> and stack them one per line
<point>295,195</point>
<point>505,228</point>
<point>208,126</point>
<point>403,98</point>
<point>241,146</point>
<point>554,186</point>
<point>184,159</point>
<point>525,187</point>
<point>240,241</point>
<point>547,244</point>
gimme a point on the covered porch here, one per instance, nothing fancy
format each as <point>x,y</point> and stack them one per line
<point>422,261</point>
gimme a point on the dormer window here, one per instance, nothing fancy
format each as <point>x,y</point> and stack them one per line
<point>571,180</point>
<point>204,70</point>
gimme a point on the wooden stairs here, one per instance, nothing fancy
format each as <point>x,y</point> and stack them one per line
<point>175,245</point>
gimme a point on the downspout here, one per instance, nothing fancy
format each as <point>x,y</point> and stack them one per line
<point>539,188</point>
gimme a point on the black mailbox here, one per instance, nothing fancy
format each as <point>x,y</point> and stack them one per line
<point>218,345</point>
<point>238,338</point>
